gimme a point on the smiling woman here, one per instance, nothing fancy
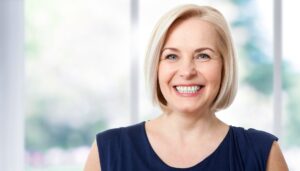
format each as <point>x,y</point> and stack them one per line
<point>192,72</point>
<point>190,79</point>
<point>222,44</point>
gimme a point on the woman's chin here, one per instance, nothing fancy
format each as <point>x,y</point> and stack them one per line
<point>189,110</point>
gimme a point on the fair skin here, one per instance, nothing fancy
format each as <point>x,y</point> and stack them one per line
<point>189,76</point>
<point>93,161</point>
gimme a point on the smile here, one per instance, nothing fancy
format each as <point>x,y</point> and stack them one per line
<point>188,89</point>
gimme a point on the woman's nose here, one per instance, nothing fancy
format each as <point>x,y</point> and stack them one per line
<point>187,69</point>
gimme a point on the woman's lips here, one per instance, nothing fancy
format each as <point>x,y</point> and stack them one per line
<point>188,90</point>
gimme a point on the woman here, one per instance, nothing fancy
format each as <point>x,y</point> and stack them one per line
<point>192,71</point>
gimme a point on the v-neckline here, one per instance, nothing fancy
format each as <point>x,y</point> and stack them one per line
<point>199,164</point>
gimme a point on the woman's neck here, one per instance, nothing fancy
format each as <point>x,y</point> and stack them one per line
<point>185,126</point>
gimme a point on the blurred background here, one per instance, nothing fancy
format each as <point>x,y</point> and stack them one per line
<point>84,73</point>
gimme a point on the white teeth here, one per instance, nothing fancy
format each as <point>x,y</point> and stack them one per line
<point>187,89</point>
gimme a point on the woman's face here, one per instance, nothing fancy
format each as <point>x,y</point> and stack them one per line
<point>190,66</point>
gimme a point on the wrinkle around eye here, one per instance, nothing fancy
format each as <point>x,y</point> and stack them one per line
<point>169,57</point>
<point>203,57</point>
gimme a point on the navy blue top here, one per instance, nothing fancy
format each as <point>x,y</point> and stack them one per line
<point>128,149</point>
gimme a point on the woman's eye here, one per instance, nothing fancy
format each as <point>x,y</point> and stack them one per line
<point>171,57</point>
<point>203,56</point>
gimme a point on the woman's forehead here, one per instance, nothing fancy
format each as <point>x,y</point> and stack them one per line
<point>193,32</point>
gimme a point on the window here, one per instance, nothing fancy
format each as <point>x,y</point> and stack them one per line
<point>291,83</point>
<point>77,69</point>
<point>79,73</point>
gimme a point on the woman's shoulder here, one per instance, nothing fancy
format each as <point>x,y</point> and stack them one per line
<point>113,142</point>
<point>114,134</point>
<point>253,145</point>
<point>253,135</point>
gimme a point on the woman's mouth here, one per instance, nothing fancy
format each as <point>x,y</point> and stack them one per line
<point>188,89</point>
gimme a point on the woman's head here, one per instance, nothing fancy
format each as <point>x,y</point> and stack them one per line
<point>228,81</point>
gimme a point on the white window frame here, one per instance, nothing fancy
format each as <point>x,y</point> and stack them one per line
<point>11,85</point>
<point>277,73</point>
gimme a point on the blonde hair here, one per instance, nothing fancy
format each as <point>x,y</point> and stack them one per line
<point>228,85</point>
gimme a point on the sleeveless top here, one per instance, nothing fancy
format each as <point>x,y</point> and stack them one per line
<point>128,149</point>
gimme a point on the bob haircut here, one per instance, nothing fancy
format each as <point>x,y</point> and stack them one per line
<point>228,85</point>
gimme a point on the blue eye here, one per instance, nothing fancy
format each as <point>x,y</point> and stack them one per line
<point>171,57</point>
<point>203,57</point>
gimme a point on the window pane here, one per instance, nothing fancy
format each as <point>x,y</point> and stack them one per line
<point>77,70</point>
<point>291,82</point>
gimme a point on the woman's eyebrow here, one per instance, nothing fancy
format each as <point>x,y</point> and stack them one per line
<point>170,48</point>
<point>204,48</point>
<point>197,50</point>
